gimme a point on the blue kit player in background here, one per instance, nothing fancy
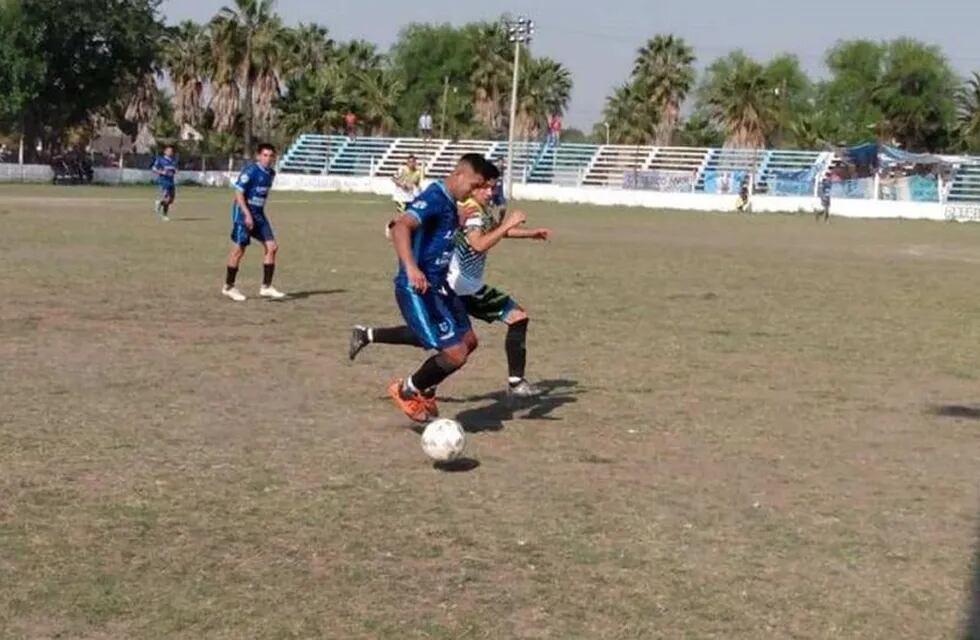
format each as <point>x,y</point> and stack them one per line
<point>824,211</point>
<point>165,168</point>
<point>423,238</point>
<point>249,220</point>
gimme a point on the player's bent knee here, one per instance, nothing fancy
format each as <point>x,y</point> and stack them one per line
<point>456,356</point>
<point>516,315</point>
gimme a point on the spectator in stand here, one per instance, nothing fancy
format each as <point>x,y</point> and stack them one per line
<point>554,129</point>
<point>425,125</point>
<point>350,124</point>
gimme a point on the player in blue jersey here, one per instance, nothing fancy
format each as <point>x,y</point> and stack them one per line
<point>249,220</point>
<point>423,238</point>
<point>824,211</point>
<point>482,230</point>
<point>165,169</point>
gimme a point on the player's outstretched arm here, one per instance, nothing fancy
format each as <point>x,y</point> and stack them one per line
<point>540,233</point>
<point>482,241</point>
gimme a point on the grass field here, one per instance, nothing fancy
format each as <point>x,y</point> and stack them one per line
<point>756,427</point>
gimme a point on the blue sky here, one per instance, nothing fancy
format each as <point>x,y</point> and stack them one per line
<point>597,40</point>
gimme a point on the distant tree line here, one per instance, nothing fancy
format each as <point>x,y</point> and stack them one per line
<point>69,67</point>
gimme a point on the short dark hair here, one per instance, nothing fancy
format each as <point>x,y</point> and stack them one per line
<point>475,161</point>
<point>489,171</point>
<point>265,146</point>
<point>168,146</point>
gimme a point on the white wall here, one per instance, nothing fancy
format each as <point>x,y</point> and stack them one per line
<point>598,196</point>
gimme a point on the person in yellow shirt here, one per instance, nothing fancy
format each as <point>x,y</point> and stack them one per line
<point>408,183</point>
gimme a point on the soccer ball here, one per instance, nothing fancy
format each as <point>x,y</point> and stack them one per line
<point>443,440</point>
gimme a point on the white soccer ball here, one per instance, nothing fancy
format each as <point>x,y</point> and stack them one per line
<point>443,440</point>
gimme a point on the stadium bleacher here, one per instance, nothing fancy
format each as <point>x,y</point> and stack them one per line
<point>965,186</point>
<point>569,164</point>
<point>562,164</point>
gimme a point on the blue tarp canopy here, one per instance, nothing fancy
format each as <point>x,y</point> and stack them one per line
<point>874,154</point>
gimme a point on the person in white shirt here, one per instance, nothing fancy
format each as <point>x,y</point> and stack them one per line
<point>425,125</point>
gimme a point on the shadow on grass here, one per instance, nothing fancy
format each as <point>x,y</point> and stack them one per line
<point>462,465</point>
<point>955,411</point>
<point>303,295</point>
<point>491,417</point>
<point>189,219</point>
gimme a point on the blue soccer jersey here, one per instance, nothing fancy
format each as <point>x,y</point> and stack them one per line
<point>254,182</point>
<point>166,170</point>
<point>432,241</point>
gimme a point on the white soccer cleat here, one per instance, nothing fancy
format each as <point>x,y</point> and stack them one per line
<point>233,293</point>
<point>271,292</point>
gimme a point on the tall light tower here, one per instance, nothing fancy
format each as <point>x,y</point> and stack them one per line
<point>519,32</point>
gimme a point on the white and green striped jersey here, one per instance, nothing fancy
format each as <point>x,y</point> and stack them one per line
<point>467,265</point>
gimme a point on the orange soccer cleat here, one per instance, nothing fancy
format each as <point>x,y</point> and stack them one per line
<point>413,407</point>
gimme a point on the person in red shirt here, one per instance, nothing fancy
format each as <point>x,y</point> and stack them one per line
<point>554,129</point>
<point>350,121</point>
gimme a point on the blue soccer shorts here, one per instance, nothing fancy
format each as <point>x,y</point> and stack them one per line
<point>437,318</point>
<point>261,230</point>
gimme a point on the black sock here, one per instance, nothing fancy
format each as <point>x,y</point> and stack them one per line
<point>515,344</point>
<point>267,271</point>
<point>394,335</point>
<point>230,275</point>
<point>432,372</point>
<point>166,207</point>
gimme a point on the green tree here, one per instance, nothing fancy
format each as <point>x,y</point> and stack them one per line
<point>186,56</point>
<point>378,92</point>
<point>84,55</point>
<point>664,66</point>
<point>739,96</point>
<point>916,96</point>
<point>699,131</point>
<point>23,65</point>
<point>855,69</point>
<point>243,33</point>
<point>309,48</point>
<point>794,94</point>
<point>313,102</point>
<point>630,117</point>
<point>423,58</point>
<point>545,89</point>
<point>968,113</point>
<point>491,69</point>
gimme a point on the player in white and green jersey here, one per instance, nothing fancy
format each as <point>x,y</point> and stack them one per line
<point>481,231</point>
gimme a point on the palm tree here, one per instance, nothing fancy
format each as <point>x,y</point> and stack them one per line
<point>665,65</point>
<point>185,58</point>
<point>228,55</point>
<point>378,93</point>
<point>630,118</point>
<point>310,48</point>
<point>313,102</point>
<point>545,89</point>
<point>968,112</point>
<point>271,59</point>
<point>491,73</point>
<point>143,105</point>
<point>240,26</point>
<point>359,55</point>
<point>740,98</point>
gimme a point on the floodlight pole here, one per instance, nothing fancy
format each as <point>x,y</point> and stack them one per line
<point>519,32</point>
